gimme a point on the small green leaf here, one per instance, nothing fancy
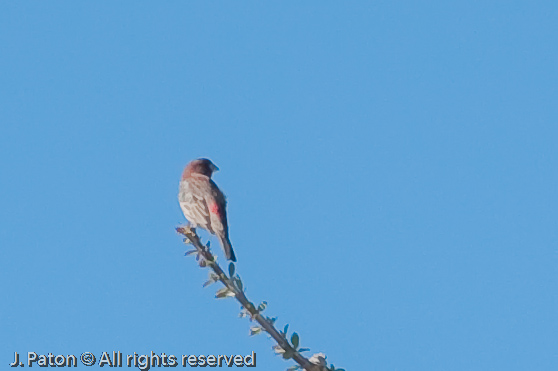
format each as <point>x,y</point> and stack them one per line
<point>224,293</point>
<point>278,350</point>
<point>285,330</point>
<point>255,330</point>
<point>208,282</point>
<point>262,306</point>
<point>212,279</point>
<point>288,354</point>
<point>243,312</point>
<point>303,350</point>
<point>238,283</point>
<point>190,252</point>
<point>231,270</point>
<point>294,340</point>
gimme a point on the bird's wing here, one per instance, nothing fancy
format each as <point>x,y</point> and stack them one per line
<point>218,210</point>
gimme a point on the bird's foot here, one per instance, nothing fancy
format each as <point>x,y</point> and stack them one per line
<point>186,228</point>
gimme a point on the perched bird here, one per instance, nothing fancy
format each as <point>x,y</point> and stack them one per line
<point>203,203</point>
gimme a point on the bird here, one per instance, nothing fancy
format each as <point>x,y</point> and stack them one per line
<point>203,203</point>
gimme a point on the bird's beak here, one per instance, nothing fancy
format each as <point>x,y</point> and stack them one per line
<point>214,167</point>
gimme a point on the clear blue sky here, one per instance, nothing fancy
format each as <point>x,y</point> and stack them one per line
<point>391,171</point>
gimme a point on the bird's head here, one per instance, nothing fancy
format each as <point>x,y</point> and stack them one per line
<point>200,166</point>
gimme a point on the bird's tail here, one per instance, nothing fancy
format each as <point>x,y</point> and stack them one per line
<point>227,247</point>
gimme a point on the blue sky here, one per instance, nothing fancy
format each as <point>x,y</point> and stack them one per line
<point>391,171</point>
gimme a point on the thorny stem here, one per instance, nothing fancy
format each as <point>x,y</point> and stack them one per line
<point>193,238</point>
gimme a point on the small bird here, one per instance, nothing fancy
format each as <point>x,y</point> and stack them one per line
<point>203,203</point>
